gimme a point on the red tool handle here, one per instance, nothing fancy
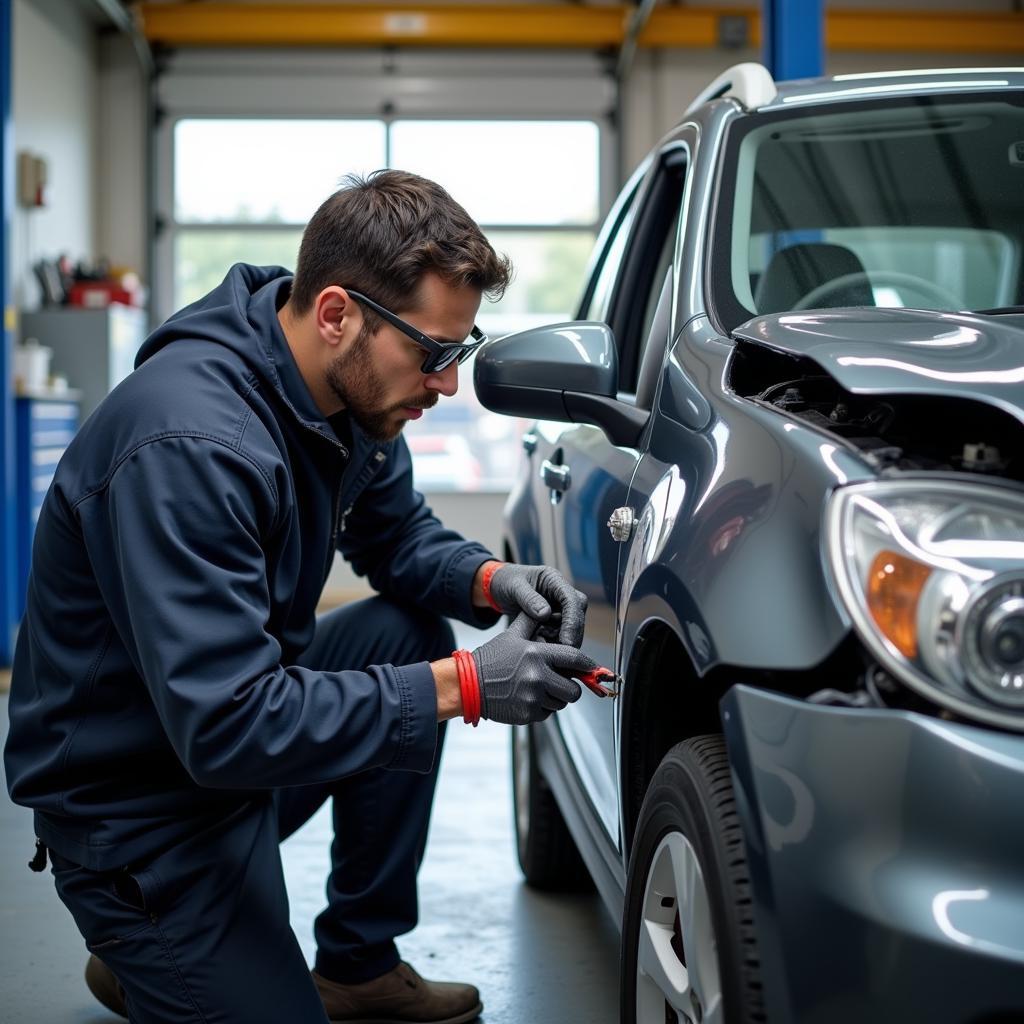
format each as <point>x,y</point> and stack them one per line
<point>592,681</point>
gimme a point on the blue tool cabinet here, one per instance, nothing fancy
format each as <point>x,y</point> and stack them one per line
<point>43,428</point>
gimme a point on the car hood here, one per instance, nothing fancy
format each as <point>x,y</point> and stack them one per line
<point>906,351</point>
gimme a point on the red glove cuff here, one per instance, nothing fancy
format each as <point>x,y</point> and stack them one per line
<point>469,685</point>
<point>485,582</point>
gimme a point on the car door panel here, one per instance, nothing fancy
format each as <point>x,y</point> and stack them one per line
<point>527,507</point>
<point>588,556</point>
<point>601,472</point>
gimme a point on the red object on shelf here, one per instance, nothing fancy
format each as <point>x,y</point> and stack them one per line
<point>99,294</point>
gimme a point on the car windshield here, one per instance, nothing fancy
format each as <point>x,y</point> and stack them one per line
<point>914,203</point>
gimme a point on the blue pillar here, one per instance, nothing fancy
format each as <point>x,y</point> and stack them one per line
<point>793,38</point>
<point>8,560</point>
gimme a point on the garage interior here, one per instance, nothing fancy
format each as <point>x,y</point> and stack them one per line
<point>151,145</point>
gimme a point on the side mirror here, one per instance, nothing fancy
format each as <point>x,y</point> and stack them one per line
<point>566,372</point>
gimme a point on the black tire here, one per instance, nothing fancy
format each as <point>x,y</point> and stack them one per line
<point>547,853</point>
<point>689,816</point>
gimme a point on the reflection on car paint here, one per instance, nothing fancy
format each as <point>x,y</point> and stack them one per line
<point>878,825</point>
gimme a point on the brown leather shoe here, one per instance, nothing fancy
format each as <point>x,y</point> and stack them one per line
<point>399,997</point>
<point>105,986</point>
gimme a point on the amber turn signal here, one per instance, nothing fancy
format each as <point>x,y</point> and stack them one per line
<point>894,587</point>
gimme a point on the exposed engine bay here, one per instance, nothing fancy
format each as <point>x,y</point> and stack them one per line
<point>895,432</point>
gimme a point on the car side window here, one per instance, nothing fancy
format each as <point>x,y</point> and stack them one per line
<point>610,247</point>
<point>600,297</point>
<point>650,256</point>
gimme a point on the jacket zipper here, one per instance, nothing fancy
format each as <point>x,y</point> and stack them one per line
<point>338,517</point>
<point>369,471</point>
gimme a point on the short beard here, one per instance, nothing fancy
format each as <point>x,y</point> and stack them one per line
<point>359,387</point>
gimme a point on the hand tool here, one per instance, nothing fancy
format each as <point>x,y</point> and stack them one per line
<point>592,681</point>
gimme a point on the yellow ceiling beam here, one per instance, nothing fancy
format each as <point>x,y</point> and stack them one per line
<point>926,31</point>
<point>695,26</point>
<point>279,24</point>
<point>214,23</point>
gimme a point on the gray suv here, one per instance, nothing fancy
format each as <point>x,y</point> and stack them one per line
<point>780,449</point>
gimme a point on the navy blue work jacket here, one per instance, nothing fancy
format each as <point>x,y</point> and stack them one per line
<point>178,561</point>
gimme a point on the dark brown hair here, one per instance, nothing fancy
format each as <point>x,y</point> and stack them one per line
<point>380,235</point>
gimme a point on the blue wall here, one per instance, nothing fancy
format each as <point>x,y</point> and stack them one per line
<point>8,568</point>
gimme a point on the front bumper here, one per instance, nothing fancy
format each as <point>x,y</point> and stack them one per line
<point>887,859</point>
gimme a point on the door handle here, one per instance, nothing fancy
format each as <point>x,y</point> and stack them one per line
<point>555,477</point>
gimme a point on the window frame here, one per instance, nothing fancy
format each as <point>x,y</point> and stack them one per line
<point>165,301</point>
<point>378,85</point>
<point>619,220</point>
<point>381,87</point>
<point>658,196</point>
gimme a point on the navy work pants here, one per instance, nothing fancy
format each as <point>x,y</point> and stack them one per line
<point>201,934</point>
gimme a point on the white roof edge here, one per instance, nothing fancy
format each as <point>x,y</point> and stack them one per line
<point>751,84</point>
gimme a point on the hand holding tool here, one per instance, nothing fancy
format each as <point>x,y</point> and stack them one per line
<point>515,680</point>
<point>541,592</point>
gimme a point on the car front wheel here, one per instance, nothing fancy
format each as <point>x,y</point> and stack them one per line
<point>689,950</point>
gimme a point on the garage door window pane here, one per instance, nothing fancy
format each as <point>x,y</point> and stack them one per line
<point>267,172</point>
<point>531,185</point>
<point>202,258</point>
<point>549,268</point>
<point>507,172</point>
<point>460,446</point>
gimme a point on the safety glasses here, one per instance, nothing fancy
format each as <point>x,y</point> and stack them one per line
<point>440,354</point>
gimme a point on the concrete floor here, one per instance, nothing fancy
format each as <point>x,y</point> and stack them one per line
<point>536,957</point>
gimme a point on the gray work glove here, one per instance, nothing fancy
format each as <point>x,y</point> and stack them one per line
<point>522,681</point>
<point>545,595</point>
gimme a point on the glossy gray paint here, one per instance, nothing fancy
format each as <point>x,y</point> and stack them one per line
<point>585,552</point>
<point>729,525</point>
<point>906,351</point>
<point>886,855</point>
<point>575,356</point>
<point>566,372</point>
<point>905,809</point>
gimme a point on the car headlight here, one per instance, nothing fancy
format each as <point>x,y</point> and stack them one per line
<point>931,573</point>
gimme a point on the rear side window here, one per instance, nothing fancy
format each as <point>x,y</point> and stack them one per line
<point>609,250</point>
<point>601,296</point>
<point>649,256</point>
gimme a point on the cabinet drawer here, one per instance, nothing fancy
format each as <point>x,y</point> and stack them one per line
<point>43,430</point>
<point>43,458</point>
<point>45,412</point>
<point>52,436</point>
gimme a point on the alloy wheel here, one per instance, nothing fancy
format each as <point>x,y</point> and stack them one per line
<point>677,963</point>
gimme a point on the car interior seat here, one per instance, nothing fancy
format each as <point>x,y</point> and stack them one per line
<point>795,271</point>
